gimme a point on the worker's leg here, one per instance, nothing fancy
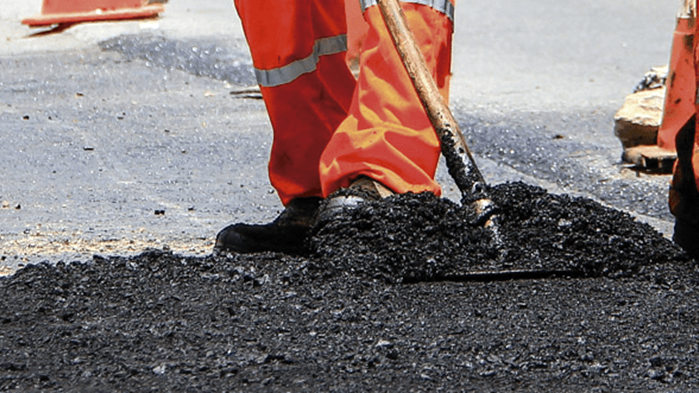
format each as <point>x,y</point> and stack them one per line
<point>387,135</point>
<point>684,195</point>
<point>298,51</point>
<point>684,188</point>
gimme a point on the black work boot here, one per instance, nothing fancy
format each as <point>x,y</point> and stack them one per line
<point>684,197</point>
<point>360,190</point>
<point>287,233</point>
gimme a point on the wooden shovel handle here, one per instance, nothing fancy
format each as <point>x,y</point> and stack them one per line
<point>465,173</point>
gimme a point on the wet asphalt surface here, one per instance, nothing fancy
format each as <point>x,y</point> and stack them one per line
<point>156,152</point>
<point>136,150</point>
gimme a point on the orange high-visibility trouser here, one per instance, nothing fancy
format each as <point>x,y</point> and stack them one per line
<point>326,131</point>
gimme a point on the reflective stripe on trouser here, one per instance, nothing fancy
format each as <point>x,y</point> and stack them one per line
<point>297,48</point>
<point>387,134</point>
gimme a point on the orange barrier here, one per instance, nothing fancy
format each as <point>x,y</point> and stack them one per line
<point>76,11</point>
<point>680,84</point>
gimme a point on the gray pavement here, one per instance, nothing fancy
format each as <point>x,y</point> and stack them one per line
<point>123,136</point>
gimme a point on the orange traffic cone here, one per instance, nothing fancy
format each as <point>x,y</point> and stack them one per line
<point>680,85</point>
<point>75,11</point>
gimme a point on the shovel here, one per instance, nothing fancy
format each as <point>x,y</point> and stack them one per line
<point>462,167</point>
<point>460,163</point>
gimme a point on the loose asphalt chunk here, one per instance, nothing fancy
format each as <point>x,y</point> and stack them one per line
<point>376,305</point>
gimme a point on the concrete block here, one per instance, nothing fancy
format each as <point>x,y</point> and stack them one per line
<point>639,118</point>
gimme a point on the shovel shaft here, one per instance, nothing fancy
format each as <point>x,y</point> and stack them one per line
<point>462,167</point>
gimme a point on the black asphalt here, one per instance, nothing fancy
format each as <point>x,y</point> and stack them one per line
<point>138,149</point>
<point>379,303</point>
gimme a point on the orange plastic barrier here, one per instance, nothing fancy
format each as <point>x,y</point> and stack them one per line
<point>680,84</point>
<point>76,11</point>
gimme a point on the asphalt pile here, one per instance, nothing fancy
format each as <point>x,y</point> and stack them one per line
<point>378,303</point>
<point>419,237</point>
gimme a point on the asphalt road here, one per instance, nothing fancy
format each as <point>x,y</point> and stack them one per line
<point>118,137</point>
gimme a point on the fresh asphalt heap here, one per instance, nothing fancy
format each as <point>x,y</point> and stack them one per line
<point>378,303</point>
